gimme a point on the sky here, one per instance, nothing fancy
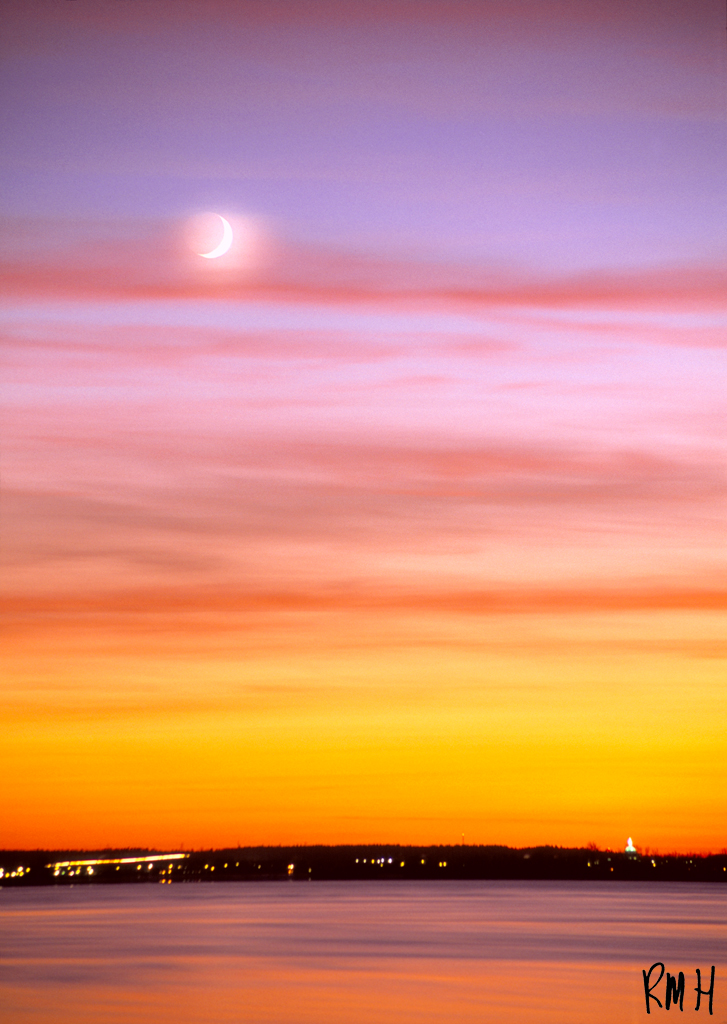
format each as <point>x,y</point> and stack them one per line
<point>404,520</point>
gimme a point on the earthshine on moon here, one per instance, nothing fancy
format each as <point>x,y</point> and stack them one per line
<point>225,243</point>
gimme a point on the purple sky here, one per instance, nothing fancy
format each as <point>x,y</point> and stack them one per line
<point>543,137</point>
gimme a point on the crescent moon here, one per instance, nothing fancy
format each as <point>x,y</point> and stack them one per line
<point>224,245</point>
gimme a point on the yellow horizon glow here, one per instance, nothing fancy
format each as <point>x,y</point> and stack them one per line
<point>555,730</point>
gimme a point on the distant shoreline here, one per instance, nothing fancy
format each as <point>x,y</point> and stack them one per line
<point>377,862</point>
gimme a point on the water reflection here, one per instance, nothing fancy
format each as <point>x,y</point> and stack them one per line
<point>354,953</point>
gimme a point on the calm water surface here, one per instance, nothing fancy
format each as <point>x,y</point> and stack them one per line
<point>355,953</point>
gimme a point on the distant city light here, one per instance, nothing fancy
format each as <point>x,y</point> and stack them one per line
<point>117,860</point>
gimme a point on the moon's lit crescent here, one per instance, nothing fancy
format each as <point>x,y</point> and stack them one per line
<point>224,245</point>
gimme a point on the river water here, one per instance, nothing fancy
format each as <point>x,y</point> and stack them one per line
<point>356,952</point>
